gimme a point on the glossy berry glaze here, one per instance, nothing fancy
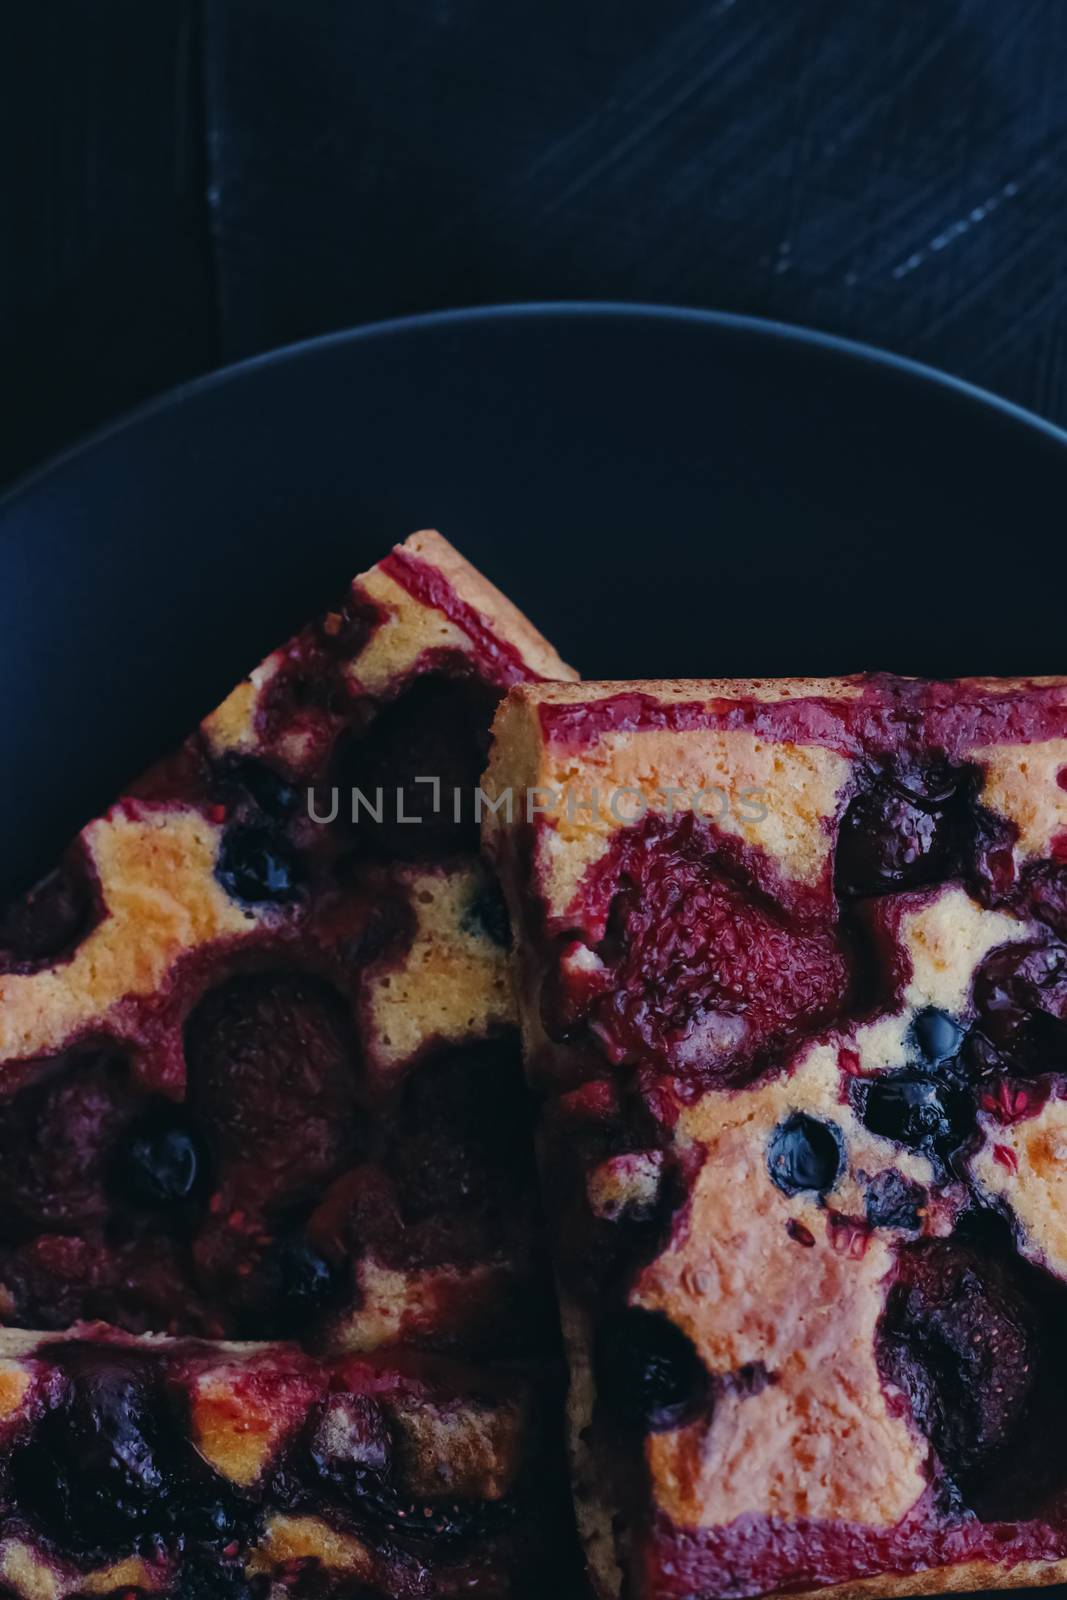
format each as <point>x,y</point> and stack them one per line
<point>782,1066</point>
<point>261,1082</point>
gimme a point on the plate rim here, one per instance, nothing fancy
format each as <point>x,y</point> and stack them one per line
<point>772,329</point>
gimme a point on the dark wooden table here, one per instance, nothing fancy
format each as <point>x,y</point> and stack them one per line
<point>185,182</point>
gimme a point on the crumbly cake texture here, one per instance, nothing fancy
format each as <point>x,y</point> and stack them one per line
<point>792,967</point>
<point>276,1320</point>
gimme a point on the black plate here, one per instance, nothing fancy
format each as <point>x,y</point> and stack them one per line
<point>666,492</point>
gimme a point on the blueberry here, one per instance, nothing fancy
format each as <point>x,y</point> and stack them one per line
<point>914,1109</point>
<point>160,1160</point>
<point>649,1375</point>
<point>893,1201</point>
<point>211,1522</point>
<point>272,794</point>
<point>205,1577</point>
<point>937,1037</point>
<point>270,1059</point>
<point>94,1473</point>
<point>958,1338</point>
<point>256,865</point>
<point>899,833</point>
<point>804,1154</point>
<point>980,1058</point>
<point>307,1282</point>
<point>486,915</point>
<point>210,1514</point>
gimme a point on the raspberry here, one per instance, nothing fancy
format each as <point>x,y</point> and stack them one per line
<point>57,1139</point>
<point>462,1133</point>
<point>272,1069</point>
<point>707,971</point>
<point>958,1337</point>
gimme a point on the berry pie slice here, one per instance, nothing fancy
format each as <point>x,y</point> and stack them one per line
<point>274,1316</point>
<point>793,980</point>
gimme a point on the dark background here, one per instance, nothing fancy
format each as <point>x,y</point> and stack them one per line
<point>186,182</point>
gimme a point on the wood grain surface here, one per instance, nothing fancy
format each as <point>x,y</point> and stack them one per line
<point>189,181</point>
